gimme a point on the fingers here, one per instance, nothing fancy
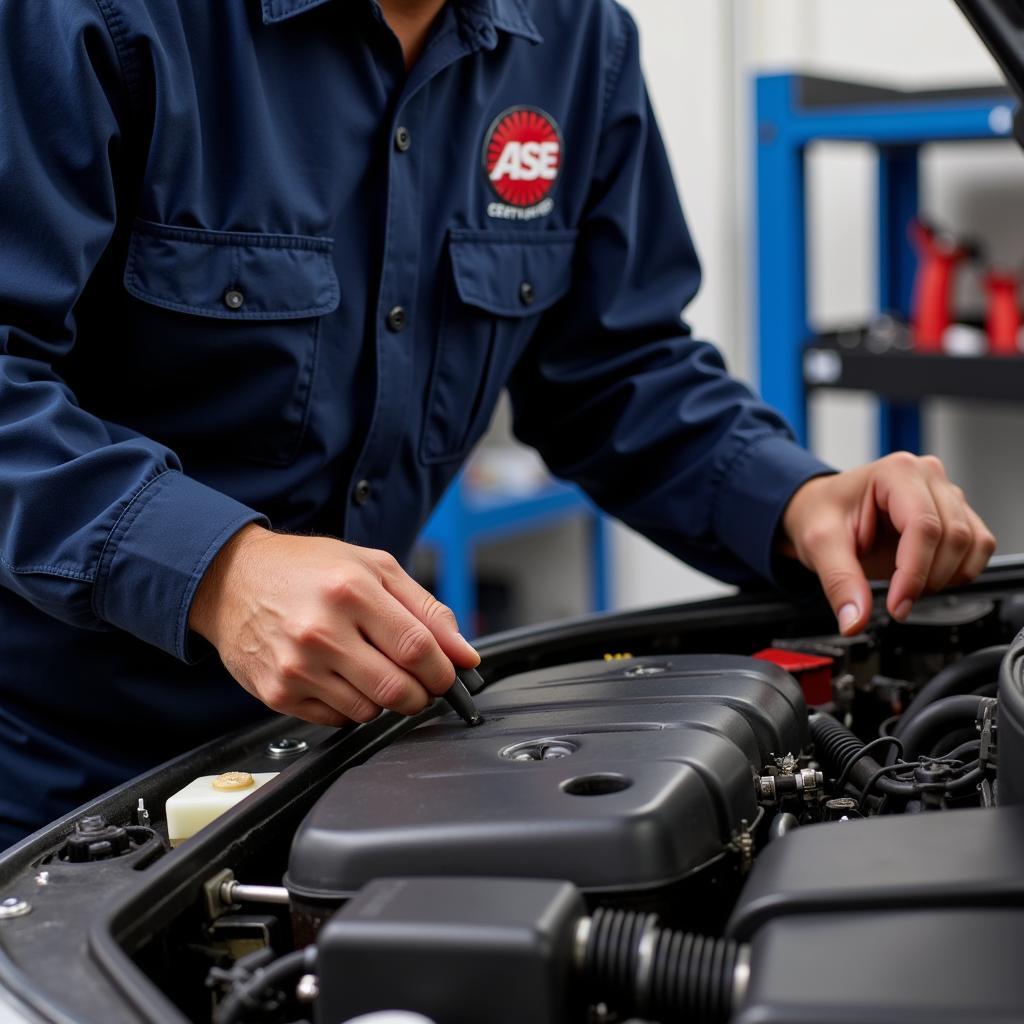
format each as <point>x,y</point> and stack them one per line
<point>911,507</point>
<point>304,684</point>
<point>831,550</point>
<point>385,684</point>
<point>438,618</point>
<point>333,632</point>
<point>982,548</point>
<point>943,541</point>
<point>376,653</point>
<point>409,645</point>
<point>927,539</point>
<point>957,534</point>
<point>319,713</point>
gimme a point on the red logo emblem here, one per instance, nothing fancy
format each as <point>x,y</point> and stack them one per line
<point>522,155</point>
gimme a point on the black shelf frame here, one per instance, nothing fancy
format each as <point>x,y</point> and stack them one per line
<point>850,360</point>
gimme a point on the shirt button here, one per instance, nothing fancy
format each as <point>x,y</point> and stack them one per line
<point>234,299</point>
<point>526,293</point>
<point>403,139</point>
<point>397,319</point>
<point>363,491</point>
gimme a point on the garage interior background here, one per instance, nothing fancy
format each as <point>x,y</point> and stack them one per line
<point>701,58</point>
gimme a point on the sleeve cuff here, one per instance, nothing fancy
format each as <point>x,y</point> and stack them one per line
<point>754,494</point>
<point>157,553</point>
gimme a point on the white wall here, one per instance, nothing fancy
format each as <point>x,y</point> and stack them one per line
<point>911,42</point>
<point>688,54</point>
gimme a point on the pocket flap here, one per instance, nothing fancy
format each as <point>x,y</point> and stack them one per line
<point>512,273</point>
<point>231,275</point>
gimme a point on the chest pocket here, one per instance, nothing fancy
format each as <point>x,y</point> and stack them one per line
<point>225,337</point>
<point>499,283</point>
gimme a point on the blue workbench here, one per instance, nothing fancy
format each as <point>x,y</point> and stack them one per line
<point>468,518</point>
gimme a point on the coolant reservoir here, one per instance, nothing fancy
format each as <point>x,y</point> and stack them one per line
<point>207,798</point>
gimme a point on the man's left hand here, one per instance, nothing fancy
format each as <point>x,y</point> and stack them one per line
<point>899,518</point>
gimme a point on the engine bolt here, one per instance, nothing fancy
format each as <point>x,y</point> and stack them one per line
<point>287,746</point>
<point>555,751</point>
<point>12,906</point>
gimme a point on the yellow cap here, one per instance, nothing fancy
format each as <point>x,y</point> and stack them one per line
<point>233,780</point>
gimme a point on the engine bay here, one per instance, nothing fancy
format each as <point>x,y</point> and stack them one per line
<point>733,814</point>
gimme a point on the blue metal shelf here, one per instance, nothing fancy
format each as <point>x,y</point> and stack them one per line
<point>467,518</point>
<point>794,111</point>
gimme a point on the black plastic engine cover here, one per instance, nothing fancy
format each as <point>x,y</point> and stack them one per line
<point>653,780</point>
<point>972,857</point>
<point>889,967</point>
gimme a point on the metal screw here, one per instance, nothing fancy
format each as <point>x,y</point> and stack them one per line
<point>287,747</point>
<point>14,907</point>
<point>555,751</point>
<point>540,750</point>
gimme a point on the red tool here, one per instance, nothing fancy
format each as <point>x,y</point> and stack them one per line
<point>1002,324</point>
<point>938,259</point>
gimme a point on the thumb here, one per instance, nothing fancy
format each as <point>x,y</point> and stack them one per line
<point>842,578</point>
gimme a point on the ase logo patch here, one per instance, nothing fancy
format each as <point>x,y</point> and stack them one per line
<point>522,158</point>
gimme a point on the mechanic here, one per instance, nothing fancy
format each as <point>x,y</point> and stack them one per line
<point>266,267</point>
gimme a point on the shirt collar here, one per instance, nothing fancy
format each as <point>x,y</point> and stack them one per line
<point>508,15</point>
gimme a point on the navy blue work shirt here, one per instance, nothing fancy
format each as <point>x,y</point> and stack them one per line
<point>251,270</point>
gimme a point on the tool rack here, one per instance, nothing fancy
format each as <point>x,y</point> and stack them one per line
<point>794,111</point>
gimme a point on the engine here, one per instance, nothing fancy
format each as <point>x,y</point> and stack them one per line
<point>677,838</point>
<point>805,829</point>
<point>625,777</point>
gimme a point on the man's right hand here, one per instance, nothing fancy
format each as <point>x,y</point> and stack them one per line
<point>324,630</point>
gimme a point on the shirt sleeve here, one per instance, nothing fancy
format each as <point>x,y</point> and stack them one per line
<point>99,526</point>
<point>619,397</point>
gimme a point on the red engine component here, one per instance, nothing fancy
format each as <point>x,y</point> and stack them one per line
<point>938,259</point>
<point>812,671</point>
<point>1002,323</point>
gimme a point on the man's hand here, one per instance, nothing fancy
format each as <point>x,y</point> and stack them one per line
<point>899,517</point>
<point>326,631</point>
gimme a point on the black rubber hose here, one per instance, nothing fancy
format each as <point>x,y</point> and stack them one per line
<point>1011,725</point>
<point>975,669</point>
<point>972,747</point>
<point>969,780</point>
<point>244,997</point>
<point>945,743</point>
<point>938,720</point>
<point>842,755</point>
<point>637,968</point>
